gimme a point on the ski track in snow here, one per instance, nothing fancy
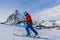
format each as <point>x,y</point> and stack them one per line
<point>6,33</point>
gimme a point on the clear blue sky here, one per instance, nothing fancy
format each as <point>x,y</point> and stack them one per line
<point>8,6</point>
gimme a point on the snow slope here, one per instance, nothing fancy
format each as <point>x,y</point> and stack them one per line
<point>6,33</point>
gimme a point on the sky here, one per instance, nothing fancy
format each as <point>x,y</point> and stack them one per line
<point>7,7</point>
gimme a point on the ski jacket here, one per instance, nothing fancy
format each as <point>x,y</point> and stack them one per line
<point>28,19</point>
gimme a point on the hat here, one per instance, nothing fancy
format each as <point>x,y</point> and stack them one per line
<point>25,12</point>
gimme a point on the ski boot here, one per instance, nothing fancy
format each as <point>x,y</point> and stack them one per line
<point>27,35</point>
<point>36,35</point>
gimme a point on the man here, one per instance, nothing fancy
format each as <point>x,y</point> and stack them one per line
<point>29,25</point>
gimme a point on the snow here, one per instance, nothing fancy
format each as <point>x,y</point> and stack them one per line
<point>20,17</point>
<point>48,14</point>
<point>58,22</point>
<point>6,33</point>
<point>47,24</point>
<point>44,17</point>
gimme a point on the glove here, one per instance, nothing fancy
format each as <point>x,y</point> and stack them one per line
<point>24,22</point>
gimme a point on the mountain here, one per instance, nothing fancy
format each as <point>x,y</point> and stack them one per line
<point>15,17</point>
<point>58,22</point>
<point>48,17</point>
<point>48,14</point>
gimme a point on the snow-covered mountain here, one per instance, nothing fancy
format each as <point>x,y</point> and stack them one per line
<point>58,22</point>
<point>48,17</point>
<point>49,14</point>
<point>15,17</point>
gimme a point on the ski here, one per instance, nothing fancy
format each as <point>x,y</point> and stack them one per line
<point>25,36</point>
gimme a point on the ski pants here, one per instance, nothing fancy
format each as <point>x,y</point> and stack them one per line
<point>29,26</point>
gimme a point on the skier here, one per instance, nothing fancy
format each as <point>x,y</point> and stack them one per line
<point>29,25</point>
